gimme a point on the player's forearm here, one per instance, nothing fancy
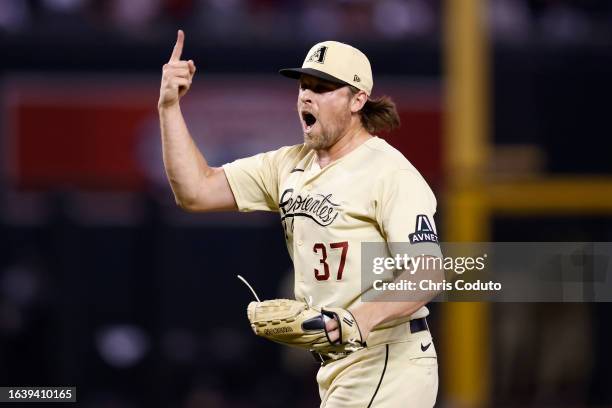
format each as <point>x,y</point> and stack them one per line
<point>185,166</point>
<point>392,305</point>
<point>373,314</point>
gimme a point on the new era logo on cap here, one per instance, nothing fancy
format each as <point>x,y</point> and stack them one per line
<point>337,62</point>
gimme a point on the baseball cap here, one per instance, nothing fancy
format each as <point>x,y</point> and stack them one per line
<point>336,62</point>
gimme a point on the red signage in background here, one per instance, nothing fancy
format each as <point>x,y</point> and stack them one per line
<point>419,138</point>
<point>102,133</point>
<point>62,134</point>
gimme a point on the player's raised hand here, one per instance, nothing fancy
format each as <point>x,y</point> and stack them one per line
<point>177,75</point>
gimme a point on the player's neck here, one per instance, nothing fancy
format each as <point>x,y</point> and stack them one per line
<point>349,141</point>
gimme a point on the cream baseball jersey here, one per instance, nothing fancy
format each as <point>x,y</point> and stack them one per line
<point>372,194</point>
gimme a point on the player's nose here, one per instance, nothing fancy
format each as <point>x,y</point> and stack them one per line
<point>305,96</point>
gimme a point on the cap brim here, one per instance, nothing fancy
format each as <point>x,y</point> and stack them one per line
<point>295,73</point>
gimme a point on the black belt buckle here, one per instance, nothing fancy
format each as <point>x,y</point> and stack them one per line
<point>418,325</point>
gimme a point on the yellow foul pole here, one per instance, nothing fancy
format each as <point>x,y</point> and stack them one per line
<point>465,364</point>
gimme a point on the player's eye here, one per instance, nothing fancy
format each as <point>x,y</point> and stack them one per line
<point>318,87</point>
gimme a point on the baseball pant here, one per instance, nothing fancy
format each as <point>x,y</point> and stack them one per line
<point>392,375</point>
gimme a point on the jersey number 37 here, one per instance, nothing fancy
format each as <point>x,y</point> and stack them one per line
<point>321,250</point>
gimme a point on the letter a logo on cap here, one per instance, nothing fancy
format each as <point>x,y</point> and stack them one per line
<point>318,55</point>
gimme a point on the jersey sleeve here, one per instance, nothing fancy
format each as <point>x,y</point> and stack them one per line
<point>405,210</point>
<point>254,180</point>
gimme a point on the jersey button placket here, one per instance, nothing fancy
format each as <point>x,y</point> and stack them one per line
<point>296,232</point>
<point>298,246</point>
<point>306,189</point>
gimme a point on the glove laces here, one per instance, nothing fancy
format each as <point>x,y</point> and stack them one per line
<point>250,287</point>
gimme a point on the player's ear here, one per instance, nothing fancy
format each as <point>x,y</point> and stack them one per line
<point>358,100</point>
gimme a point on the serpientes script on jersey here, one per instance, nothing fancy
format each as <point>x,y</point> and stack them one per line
<point>318,207</point>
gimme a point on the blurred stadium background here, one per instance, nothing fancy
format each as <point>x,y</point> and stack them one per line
<point>107,285</point>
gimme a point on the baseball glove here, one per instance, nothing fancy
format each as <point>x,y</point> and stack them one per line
<point>297,324</point>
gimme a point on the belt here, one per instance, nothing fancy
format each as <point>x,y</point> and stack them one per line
<point>416,325</point>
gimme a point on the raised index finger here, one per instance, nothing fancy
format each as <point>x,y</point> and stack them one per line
<point>178,47</point>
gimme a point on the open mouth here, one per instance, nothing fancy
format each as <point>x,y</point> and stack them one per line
<point>309,120</point>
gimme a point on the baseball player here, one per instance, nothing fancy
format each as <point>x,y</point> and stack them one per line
<point>342,187</point>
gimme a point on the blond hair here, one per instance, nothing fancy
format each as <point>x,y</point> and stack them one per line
<point>378,114</point>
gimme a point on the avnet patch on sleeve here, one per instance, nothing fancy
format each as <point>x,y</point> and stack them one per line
<point>423,231</point>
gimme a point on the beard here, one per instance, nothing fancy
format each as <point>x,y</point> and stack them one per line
<point>323,137</point>
<point>318,140</point>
